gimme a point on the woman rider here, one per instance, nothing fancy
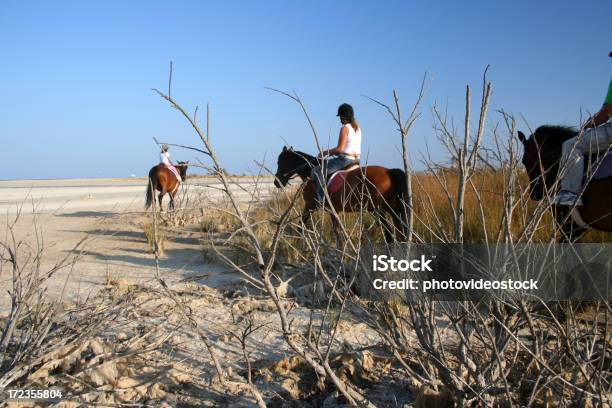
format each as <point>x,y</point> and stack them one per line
<point>344,154</point>
<point>164,158</point>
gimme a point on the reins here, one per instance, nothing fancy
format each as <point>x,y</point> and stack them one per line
<point>296,170</point>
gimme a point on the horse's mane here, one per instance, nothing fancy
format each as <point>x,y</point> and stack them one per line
<point>296,154</point>
<point>553,135</point>
<point>306,156</point>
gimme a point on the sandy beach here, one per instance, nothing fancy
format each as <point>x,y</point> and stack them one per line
<point>108,215</point>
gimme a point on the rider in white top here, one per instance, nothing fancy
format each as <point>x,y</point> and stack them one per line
<point>347,151</point>
<point>164,158</point>
<point>353,141</point>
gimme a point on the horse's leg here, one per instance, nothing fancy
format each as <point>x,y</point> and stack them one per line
<point>306,214</point>
<point>160,198</point>
<point>154,198</point>
<point>398,223</point>
<point>302,228</point>
<point>569,231</point>
<point>172,200</point>
<point>308,196</point>
<point>336,228</point>
<point>385,224</point>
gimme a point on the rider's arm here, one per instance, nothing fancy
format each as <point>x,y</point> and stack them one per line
<point>604,114</point>
<point>342,139</point>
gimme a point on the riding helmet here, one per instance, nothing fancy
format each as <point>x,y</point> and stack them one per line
<point>346,111</point>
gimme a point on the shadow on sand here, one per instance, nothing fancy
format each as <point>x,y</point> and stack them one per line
<point>184,259</point>
<point>184,264</point>
<point>136,236</point>
<point>88,214</point>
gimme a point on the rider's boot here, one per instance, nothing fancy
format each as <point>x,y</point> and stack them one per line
<point>568,198</point>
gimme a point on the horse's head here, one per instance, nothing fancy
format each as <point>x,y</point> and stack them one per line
<point>284,167</point>
<point>541,153</point>
<point>290,163</point>
<point>182,169</point>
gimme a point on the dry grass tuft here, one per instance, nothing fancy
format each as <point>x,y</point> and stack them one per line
<point>434,217</point>
<point>155,239</point>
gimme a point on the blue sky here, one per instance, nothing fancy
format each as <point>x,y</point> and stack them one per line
<point>76,76</point>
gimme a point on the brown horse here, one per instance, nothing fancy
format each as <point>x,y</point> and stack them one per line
<point>163,180</point>
<point>541,154</point>
<point>374,189</point>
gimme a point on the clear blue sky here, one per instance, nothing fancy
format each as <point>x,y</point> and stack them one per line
<point>75,76</point>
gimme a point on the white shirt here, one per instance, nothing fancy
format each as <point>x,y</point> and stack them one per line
<point>353,141</point>
<point>164,157</point>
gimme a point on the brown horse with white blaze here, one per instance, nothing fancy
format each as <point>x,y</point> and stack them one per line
<point>375,189</point>
<point>162,179</point>
<point>541,155</point>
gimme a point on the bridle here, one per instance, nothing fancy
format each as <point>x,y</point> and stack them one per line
<point>295,171</point>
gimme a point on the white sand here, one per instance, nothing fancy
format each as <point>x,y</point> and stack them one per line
<point>109,213</point>
<point>116,195</point>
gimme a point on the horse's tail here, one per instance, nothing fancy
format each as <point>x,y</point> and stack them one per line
<point>398,178</point>
<point>150,192</point>
<point>399,201</point>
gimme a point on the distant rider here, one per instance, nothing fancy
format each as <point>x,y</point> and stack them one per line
<point>596,136</point>
<point>344,154</point>
<point>164,158</point>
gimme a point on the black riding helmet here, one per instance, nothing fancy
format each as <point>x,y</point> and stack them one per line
<point>346,111</point>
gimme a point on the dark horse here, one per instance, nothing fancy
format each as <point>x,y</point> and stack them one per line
<point>163,180</point>
<point>372,188</point>
<point>541,154</point>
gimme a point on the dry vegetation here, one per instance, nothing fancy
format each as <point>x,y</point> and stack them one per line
<point>491,353</point>
<point>432,208</point>
<point>298,330</point>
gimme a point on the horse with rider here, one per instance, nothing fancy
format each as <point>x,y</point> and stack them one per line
<point>576,166</point>
<point>335,179</point>
<point>166,178</point>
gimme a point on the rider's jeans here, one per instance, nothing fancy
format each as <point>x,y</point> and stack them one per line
<point>591,141</point>
<point>332,165</point>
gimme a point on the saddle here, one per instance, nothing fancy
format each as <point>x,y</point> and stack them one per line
<point>174,171</point>
<point>336,180</point>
